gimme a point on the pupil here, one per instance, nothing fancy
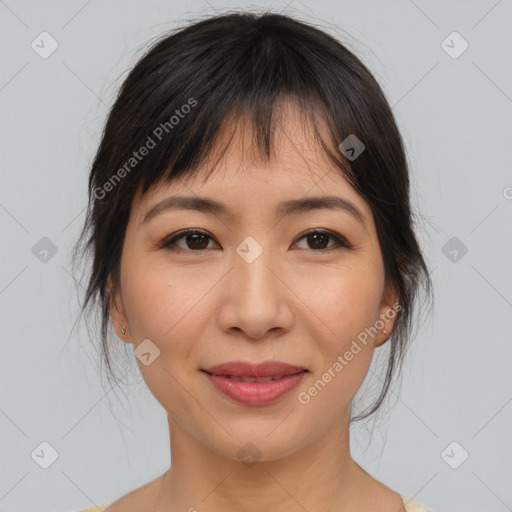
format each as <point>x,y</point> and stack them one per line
<point>314,236</point>
<point>202,246</point>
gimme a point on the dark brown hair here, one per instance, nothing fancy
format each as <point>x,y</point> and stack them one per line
<point>241,64</point>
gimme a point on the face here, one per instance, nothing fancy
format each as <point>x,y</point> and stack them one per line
<point>252,285</point>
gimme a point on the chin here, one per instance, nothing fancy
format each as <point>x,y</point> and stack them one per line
<point>258,446</point>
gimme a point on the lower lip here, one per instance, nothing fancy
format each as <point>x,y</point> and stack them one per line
<point>255,393</point>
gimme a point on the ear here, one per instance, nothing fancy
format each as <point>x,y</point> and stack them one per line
<point>117,312</point>
<point>389,310</point>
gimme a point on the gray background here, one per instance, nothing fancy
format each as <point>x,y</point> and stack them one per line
<point>455,116</point>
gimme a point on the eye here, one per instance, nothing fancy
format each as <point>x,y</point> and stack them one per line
<point>318,238</point>
<point>195,240</point>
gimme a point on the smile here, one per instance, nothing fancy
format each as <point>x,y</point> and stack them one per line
<point>251,390</point>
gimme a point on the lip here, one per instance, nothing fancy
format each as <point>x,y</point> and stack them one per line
<point>264,369</point>
<point>255,393</point>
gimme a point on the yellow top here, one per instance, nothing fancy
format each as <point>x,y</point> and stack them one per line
<point>413,506</point>
<point>410,506</point>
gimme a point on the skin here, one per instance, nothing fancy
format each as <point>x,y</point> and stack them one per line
<point>295,303</point>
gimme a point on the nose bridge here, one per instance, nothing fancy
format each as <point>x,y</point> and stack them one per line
<point>256,283</point>
<point>255,301</point>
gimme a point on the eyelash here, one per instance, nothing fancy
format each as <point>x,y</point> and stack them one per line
<point>341,242</point>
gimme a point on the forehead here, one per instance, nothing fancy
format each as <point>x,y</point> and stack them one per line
<point>236,172</point>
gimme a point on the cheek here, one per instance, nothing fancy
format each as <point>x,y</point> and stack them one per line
<point>170,308</point>
<point>162,308</point>
<point>349,306</point>
<point>159,300</point>
<point>346,299</point>
<point>344,357</point>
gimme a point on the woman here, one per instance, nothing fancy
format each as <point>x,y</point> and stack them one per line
<point>251,236</point>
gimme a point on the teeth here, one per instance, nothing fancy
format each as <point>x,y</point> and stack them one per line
<point>264,379</point>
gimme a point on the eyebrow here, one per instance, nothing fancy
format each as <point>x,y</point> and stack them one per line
<point>284,208</point>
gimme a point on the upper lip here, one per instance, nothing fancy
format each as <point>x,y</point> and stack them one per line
<point>264,369</point>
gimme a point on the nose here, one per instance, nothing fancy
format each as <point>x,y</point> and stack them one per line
<point>256,300</point>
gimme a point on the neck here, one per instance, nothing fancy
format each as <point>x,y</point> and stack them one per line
<point>320,476</point>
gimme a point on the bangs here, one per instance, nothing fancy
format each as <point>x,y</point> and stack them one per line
<point>261,146</point>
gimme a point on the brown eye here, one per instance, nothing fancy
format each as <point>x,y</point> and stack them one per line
<point>195,240</point>
<point>318,240</point>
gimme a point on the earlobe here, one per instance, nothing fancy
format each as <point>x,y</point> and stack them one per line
<point>382,337</point>
<point>390,307</point>
<point>117,314</point>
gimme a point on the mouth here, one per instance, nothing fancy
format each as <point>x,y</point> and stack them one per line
<point>250,384</point>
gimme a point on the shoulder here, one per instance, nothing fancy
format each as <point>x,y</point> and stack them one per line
<point>413,506</point>
<point>135,500</point>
